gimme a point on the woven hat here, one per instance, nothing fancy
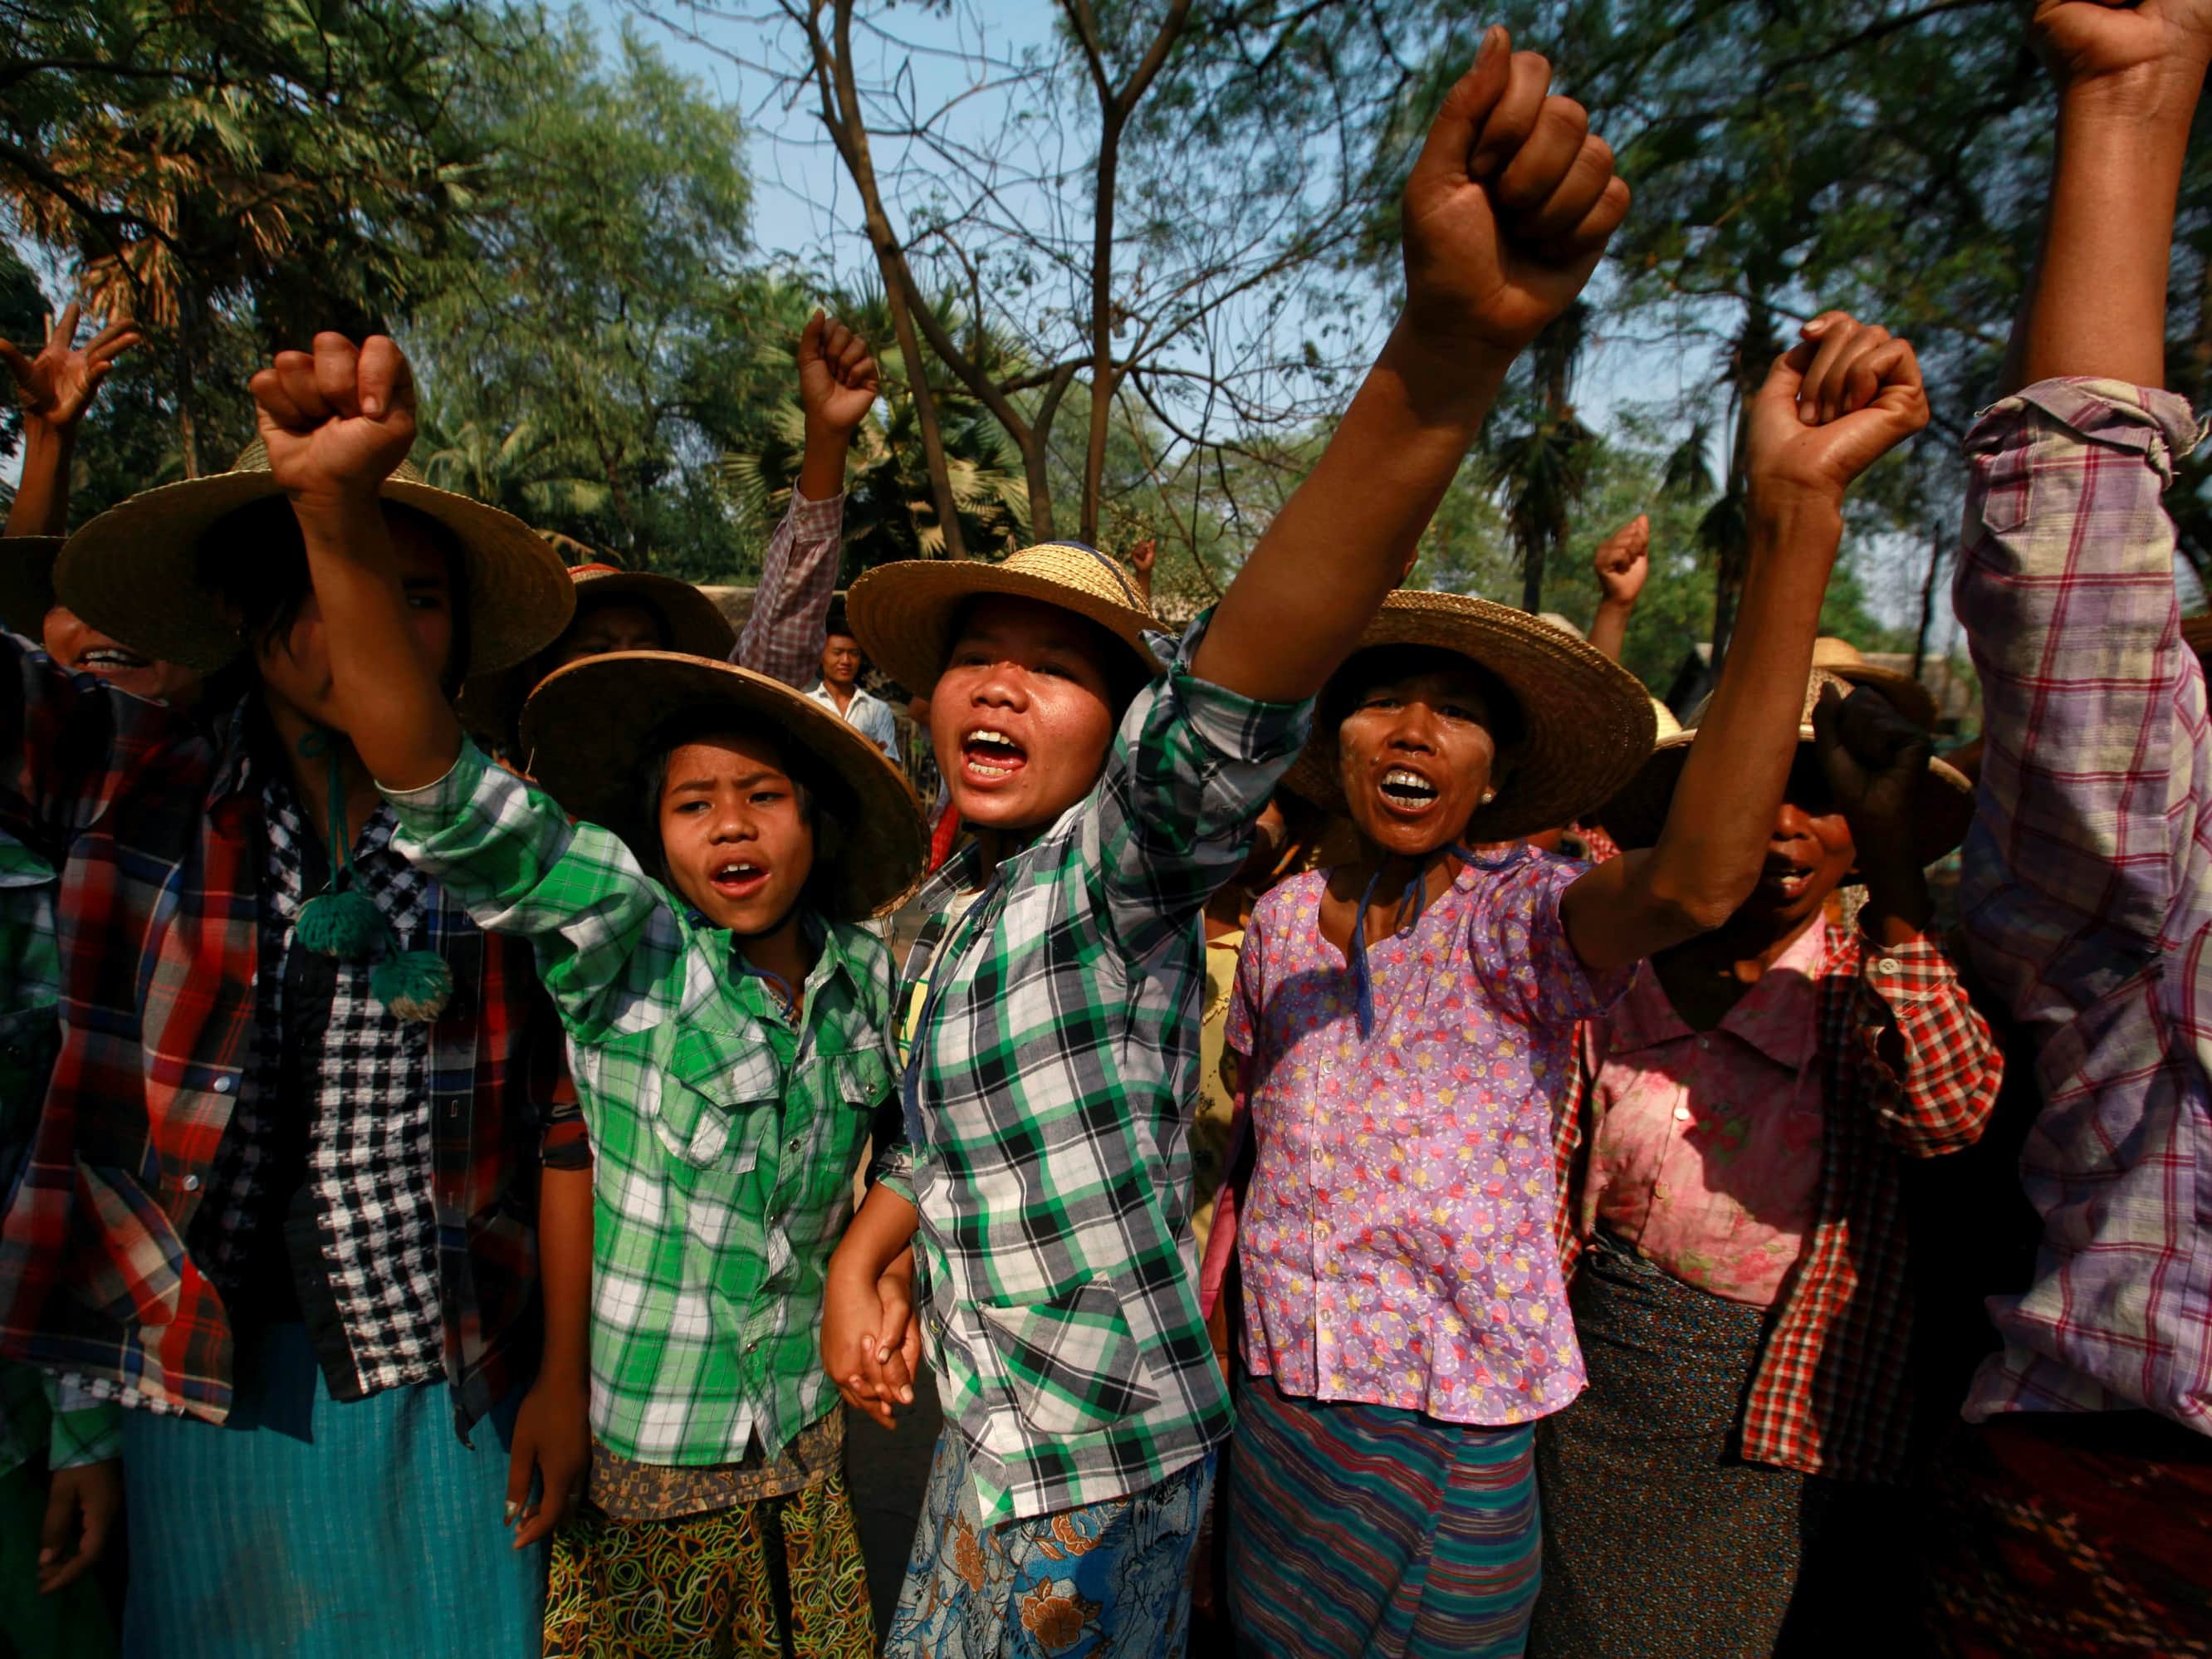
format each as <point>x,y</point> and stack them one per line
<point>131,573</point>
<point>587,725</point>
<point>27,582</point>
<point>1634,818</point>
<point>2196,632</point>
<point>902,613</point>
<point>697,627</point>
<point>1905,694</point>
<point>1586,721</point>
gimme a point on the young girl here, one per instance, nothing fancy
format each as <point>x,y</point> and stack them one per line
<point>1741,1294</point>
<point>1407,1022</point>
<point>281,1195</point>
<point>729,1025</point>
<point>1054,991</point>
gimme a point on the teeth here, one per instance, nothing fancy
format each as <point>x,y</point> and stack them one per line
<point>1411,782</point>
<point>998,737</point>
<point>110,659</point>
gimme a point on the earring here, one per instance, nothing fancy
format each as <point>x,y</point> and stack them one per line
<point>1488,796</point>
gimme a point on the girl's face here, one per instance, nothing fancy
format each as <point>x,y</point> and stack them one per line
<point>734,833</point>
<point>1809,852</point>
<point>1415,757</point>
<point>1021,716</point>
<point>295,666</point>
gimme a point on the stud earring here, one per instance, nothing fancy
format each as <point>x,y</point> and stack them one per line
<point>1488,796</point>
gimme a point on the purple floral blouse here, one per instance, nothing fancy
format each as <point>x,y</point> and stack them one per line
<point>1397,1236</point>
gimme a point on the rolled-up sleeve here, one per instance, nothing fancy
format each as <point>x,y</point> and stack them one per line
<point>783,637</point>
<point>2096,775</point>
<point>1932,1067</point>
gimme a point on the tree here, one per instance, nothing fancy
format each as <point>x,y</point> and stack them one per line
<point>1542,466</point>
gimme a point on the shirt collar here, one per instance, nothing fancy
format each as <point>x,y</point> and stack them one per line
<point>1778,1016</point>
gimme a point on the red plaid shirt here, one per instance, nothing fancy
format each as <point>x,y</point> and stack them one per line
<point>1830,1395</point>
<point>154,827</point>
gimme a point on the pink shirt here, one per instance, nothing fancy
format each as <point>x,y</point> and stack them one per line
<point>1397,1236</point>
<point>1706,1146</point>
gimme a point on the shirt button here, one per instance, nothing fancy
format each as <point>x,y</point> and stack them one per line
<point>1889,965</point>
<point>794,1144</point>
<point>1705,1043</point>
<point>1659,1191</point>
<point>222,1085</point>
<point>1681,1114</point>
<point>191,1183</point>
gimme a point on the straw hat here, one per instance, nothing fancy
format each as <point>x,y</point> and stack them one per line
<point>902,614</point>
<point>1944,808</point>
<point>1906,695</point>
<point>27,582</point>
<point>697,627</point>
<point>131,573</point>
<point>587,725</point>
<point>1587,722</point>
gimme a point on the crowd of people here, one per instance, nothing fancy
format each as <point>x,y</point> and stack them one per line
<point>1384,1140</point>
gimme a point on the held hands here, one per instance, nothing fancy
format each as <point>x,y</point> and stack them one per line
<point>1622,561</point>
<point>837,377</point>
<point>871,1340</point>
<point>1509,206</point>
<point>1833,404</point>
<point>57,384</point>
<point>337,420</point>
<point>1874,758</point>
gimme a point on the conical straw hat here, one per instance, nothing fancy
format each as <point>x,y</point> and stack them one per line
<point>902,613</point>
<point>586,727</point>
<point>1587,722</point>
<point>1906,695</point>
<point>131,572</point>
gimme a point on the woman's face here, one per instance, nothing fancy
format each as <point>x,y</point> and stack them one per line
<point>1809,851</point>
<point>1415,757</point>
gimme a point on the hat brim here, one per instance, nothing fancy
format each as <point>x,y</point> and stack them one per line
<point>1587,722</point>
<point>1943,807</point>
<point>27,582</point>
<point>902,613</point>
<point>586,726</point>
<point>489,704</point>
<point>131,573</point>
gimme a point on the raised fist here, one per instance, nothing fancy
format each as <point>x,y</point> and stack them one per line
<point>1509,206</point>
<point>1623,561</point>
<point>336,420</point>
<point>837,378</point>
<point>1832,405</point>
<point>2084,39</point>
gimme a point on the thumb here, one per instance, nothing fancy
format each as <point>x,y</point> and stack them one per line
<point>1787,372</point>
<point>521,1463</point>
<point>810,337</point>
<point>1444,152</point>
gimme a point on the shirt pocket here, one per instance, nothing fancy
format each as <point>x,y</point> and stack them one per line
<point>1072,1361</point>
<point>704,1101</point>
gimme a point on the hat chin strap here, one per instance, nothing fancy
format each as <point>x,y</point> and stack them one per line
<point>1411,904</point>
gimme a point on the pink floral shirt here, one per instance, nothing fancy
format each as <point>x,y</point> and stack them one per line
<point>1706,1146</point>
<point>1397,1236</point>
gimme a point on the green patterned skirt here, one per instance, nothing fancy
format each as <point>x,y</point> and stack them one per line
<point>730,1584</point>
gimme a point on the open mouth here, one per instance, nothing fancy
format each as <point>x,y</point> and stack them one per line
<point>987,754</point>
<point>740,879</point>
<point>1785,878</point>
<point>111,660</point>
<point>1405,790</point>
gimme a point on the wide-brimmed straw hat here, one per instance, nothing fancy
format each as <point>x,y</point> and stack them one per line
<point>902,613</point>
<point>1905,694</point>
<point>1944,808</point>
<point>27,582</point>
<point>132,571</point>
<point>696,628</point>
<point>586,727</point>
<point>1586,721</point>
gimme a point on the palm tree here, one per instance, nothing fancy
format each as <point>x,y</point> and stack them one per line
<point>1542,467</point>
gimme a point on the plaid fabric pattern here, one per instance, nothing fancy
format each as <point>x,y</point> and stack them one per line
<point>726,1139</point>
<point>2086,892</point>
<point>1049,1089</point>
<point>155,830</point>
<point>1829,1394</point>
<point>782,637</point>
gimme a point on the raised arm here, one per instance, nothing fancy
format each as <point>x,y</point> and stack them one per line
<point>56,387</point>
<point>1831,407</point>
<point>782,637</point>
<point>2129,78</point>
<point>1621,562</point>
<point>1504,215</point>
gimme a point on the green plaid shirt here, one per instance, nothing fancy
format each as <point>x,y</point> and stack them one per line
<point>1050,1082</point>
<point>725,1138</point>
<point>39,1417</point>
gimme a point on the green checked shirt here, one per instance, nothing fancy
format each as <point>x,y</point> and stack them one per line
<point>1051,1078</point>
<point>725,1138</point>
